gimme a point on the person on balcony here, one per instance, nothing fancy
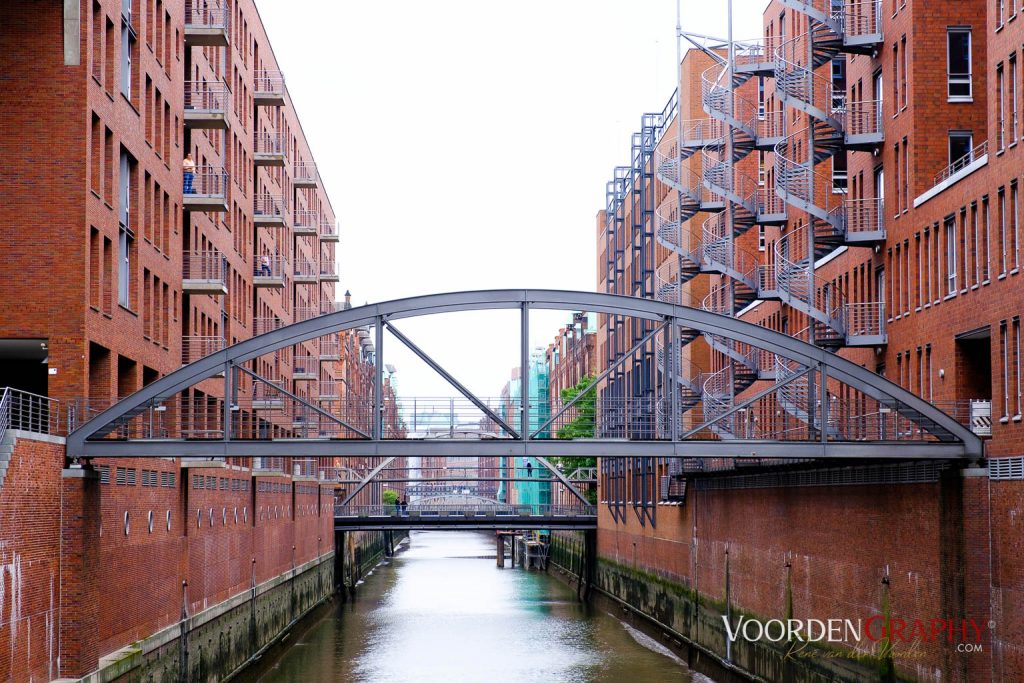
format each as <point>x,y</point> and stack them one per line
<point>188,172</point>
<point>265,266</point>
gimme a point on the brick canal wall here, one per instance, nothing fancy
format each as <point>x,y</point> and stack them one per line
<point>913,551</point>
<point>97,567</point>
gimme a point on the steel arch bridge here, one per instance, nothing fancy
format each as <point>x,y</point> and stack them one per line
<point>888,422</point>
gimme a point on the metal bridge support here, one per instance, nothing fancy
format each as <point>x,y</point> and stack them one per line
<point>499,554</point>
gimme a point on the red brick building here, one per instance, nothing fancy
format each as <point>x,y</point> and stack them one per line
<point>857,188</point>
<point>161,202</point>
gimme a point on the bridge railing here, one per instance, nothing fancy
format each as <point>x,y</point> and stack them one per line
<point>415,511</point>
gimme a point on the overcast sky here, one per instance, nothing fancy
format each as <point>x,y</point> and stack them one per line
<point>465,144</point>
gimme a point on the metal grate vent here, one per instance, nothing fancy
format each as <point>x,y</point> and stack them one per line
<point>1004,469</point>
<point>904,473</point>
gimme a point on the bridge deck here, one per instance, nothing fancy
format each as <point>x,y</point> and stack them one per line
<point>380,518</point>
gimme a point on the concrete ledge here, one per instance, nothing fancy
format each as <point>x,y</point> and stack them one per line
<point>34,436</point>
<point>79,472</point>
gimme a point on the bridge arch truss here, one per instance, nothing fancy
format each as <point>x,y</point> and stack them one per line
<point>888,423</point>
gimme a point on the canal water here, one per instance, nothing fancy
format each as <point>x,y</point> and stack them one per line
<point>441,611</point>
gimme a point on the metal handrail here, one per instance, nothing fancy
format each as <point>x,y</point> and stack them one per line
<point>270,265</point>
<point>206,14</point>
<point>268,81</point>
<point>864,117</point>
<point>194,347</point>
<point>267,204</point>
<point>204,265</point>
<point>328,228</point>
<point>268,142</point>
<point>209,181</point>
<point>306,218</point>
<point>962,163</point>
<point>865,215</point>
<point>304,268</point>
<point>794,273</point>
<point>328,266</point>
<point>206,96</point>
<point>5,412</point>
<point>469,509</point>
<point>264,324</point>
<point>305,170</point>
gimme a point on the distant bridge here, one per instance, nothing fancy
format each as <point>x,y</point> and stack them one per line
<point>474,513</point>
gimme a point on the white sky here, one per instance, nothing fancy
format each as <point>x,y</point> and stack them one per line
<point>465,144</point>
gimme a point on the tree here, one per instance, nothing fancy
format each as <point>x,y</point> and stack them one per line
<point>389,497</point>
<point>580,427</point>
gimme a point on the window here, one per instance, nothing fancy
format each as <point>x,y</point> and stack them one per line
<point>1001,12</point>
<point>958,64</point>
<point>1016,365</point>
<point>880,196</point>
<point>1004,352</point>
<point>1000,108</point>
<point>126,237</point>
<point>839,174</point>
<point>906,174</point>
<point>761,244</point>
<point>986,238</point>
<point>896,161</point>
<point>895,79</point>
<point>976,243</point>
<point>961,144</point>
<point>1014,222</point>
<point>951,239</point>
<point>1014,118</point>
<point>1002,231</point>
<point>128,40</point>
<point>903,83</point>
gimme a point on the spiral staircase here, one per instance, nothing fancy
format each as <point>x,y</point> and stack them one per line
<point>836,125</point>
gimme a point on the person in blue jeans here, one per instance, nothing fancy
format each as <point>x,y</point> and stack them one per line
<point>188,172</point>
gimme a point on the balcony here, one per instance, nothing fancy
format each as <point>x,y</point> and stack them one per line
<point>269,211</point>
<point>865,324</point>
<point>267,395</point>
<point>330,390</point>
<point>269,90</point>
<point>305,272</point>
<point>207,190</point>
<point>306,369</point>
<point>865,220</point>
<point>270,150</point>
<point>206,105</point>
<point>305,174</point>
<point>269,271</point>
<point>195,347</point>
<point>263,325</point>
<point>204,272</point>
<point>864,125</point>
<point>328,269</point>
<point>330,349</point>
<point>306,313</point>
<point>206,23</point>
<point>331,307</point>
<point>305,222</point>
<point>328,230</point>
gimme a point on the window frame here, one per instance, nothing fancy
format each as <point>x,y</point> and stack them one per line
<point>959,78</point>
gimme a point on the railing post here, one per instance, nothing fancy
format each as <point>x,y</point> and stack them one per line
<point>524,371</point>
<point>378,381</point>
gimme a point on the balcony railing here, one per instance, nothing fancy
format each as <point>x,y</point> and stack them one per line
<point>864,118</point>
<point>306,368</point>
<point>962,163</point>
<point>305,174</point>
<point>866,320</point>
<point>330,348</point>
<point>330,390</point>
<point>331,307</point>
<point>204,272</point>
<point>306,313</point>
<point>976,414</point>
<point>269,88</point>
<point>865,218</point>
<point>328,230</point>
<point>206,104</point>
<point>195,347</point>
<point>306,222</point>
<point>329,269</point>
<point>270,149</point>
<point>269,271</point>
<point>262,325</point>
<point>269,209</point>
<point>305,272</point>
<point>267,395</point>
<point>206,23</point>
<point>206,190</point>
